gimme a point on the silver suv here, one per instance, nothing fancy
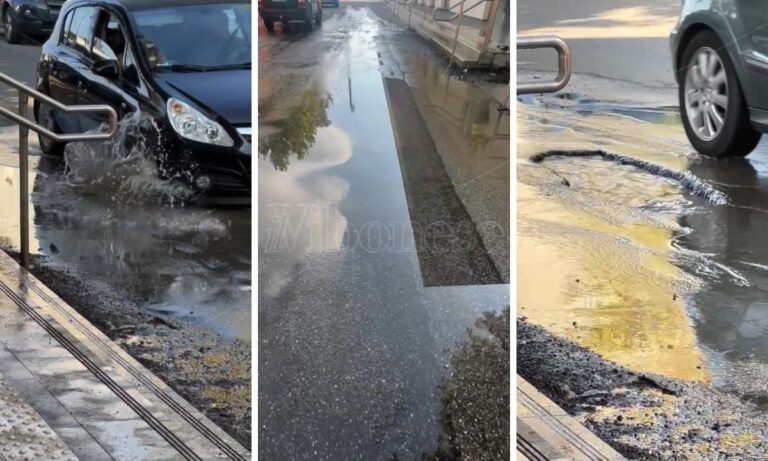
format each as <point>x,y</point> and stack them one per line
<point>720,58</point>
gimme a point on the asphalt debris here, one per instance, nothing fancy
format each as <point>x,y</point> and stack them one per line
<point>475,415</point>
<point>685,178</point>
<point>643,416</point>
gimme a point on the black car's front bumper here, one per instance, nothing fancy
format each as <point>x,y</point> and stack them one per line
<point>33,20</point>
<point>213,171</point>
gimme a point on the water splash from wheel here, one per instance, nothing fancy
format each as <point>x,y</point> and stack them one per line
<point>125,168</point>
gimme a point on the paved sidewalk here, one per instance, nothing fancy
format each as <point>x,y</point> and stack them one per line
<point>546,432</point>
<point>23,432</point>
<point>100,402</point>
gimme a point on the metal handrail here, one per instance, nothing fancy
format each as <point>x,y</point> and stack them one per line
<point>563,63</point>
<point>21,120</point>
<point>25,125</point>
<point>460,15</point>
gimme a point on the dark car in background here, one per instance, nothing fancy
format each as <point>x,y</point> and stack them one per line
<point>184,64</point>
<point>31,19</point>
<point>310,12</point>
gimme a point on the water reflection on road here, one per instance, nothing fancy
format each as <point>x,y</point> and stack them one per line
<point>353,346</point>
<point>732,318</point>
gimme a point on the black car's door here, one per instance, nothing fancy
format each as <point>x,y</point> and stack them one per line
<point>107,48</point>
<point>68,63</point>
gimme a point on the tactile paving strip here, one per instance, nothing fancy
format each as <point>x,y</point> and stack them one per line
<point>24,436</point>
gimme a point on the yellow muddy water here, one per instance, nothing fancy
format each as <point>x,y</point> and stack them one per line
<point>594,253</point>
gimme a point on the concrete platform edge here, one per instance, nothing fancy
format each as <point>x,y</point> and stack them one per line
<point>545,431</point>
<point>116,368</point>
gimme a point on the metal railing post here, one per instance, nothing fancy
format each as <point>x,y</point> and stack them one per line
<point>488,30</point>
<point>456,36</point>
<point>410,12</point>
<point>24,182</point>
<point>505,107</point>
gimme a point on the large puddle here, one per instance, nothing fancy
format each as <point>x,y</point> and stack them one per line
<point>360,301</point>
<point>637,267</point>
<point>191,263</point>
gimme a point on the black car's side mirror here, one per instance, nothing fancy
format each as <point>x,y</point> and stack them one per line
<point>106,68</point>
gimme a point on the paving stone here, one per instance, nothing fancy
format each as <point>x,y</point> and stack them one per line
<point>24,435</point>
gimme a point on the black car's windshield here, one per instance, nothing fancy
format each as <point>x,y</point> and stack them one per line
<point>195,37</point>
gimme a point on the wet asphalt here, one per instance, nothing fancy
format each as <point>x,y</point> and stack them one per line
<point>18,62</point>
<point>635,264</point>
<point>361,303</point>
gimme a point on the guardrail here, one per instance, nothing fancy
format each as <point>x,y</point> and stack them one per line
<point>409,4</point>
<point>563,63</point>
<point>445,15</point>
<point>25,124</point>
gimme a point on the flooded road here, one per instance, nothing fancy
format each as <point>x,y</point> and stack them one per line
<point>637,267</point>
<point>368,280</point>
<point>189,263</point>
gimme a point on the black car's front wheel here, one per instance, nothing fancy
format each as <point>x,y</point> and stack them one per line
<point>44,115</point>
<point>714,111</point>
<point>11,34</point>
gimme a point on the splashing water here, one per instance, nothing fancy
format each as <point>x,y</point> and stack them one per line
<point>124,168</point>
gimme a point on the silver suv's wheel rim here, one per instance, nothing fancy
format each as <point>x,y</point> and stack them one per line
<point>706,94</point>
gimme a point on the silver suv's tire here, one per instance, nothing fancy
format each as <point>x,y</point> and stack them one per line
<point>714,112</point>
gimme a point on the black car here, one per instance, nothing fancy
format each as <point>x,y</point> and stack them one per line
<point>310,12</point>
<point>32,19</point>
<point>184,64</point>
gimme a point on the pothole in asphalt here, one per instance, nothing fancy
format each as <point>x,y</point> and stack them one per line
<point>684,179</point>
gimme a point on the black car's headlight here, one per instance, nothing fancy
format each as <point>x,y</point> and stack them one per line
<point>189,123</point>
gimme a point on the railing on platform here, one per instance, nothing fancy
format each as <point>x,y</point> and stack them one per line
<point>25,124</point>
<point>446,15</point>
<point>563,63</point>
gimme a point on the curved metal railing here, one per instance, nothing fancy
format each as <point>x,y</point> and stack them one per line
<point>563,63</point>
<point>22,120</point>
<point>25,124</point>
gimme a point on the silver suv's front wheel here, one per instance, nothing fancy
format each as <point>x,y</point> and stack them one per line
<point>706,94</point>
<point>715,114</point>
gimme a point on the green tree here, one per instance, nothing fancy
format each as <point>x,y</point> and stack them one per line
<point>296,134</point>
